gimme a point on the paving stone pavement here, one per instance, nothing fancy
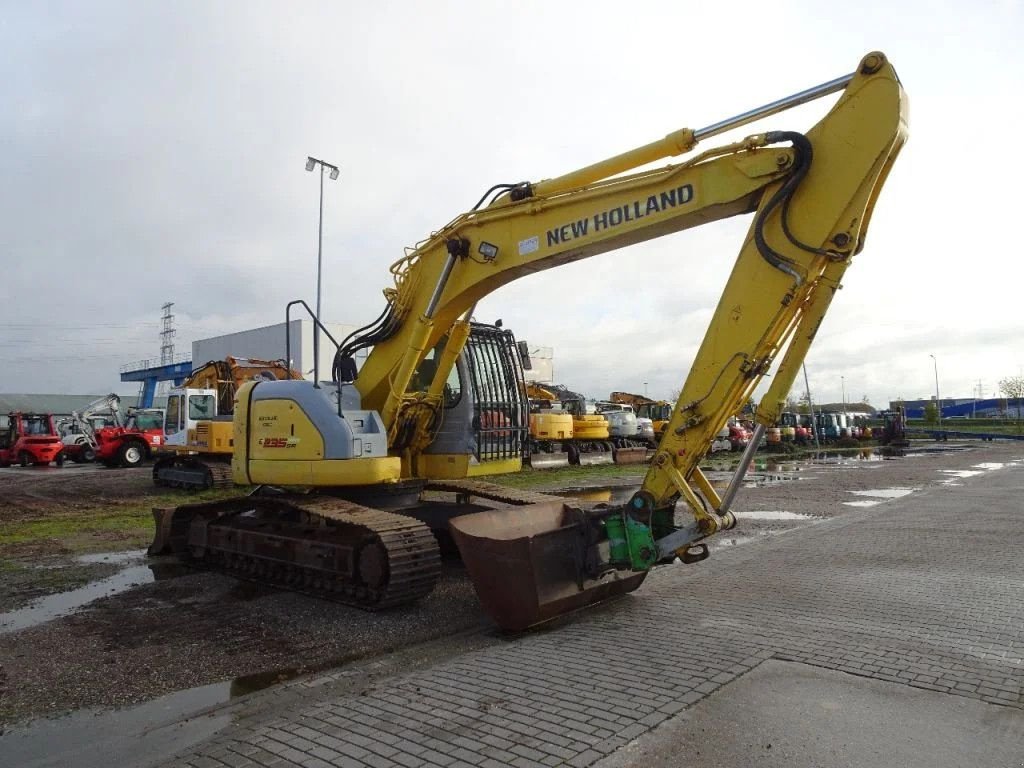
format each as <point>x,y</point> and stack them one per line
<point>923,591</point>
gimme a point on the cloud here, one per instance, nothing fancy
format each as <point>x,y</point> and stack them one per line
<point>155,153</point>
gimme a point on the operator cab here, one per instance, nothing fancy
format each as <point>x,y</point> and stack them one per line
<point>486,411</point>
<point>185,409</point>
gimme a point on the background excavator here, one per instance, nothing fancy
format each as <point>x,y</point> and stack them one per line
<point>351,477</point>
<point>561,430</point>
<point>197,421</point>
<point>632,435</point>
<point>658,411</point>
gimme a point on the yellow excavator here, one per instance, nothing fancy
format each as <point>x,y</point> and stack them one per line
<point>561,430</point>
<point>350,478</point>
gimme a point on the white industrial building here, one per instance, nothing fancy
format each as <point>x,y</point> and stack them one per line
<point>268,343</point>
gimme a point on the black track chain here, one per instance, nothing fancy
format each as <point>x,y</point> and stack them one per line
<point>413,557</point>
<point>203,475</point>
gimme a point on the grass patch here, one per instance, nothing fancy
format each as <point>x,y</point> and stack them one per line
<point>111,527</point>
<point>568,476</point>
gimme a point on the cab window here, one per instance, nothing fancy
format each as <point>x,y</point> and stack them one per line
<point>201,407</point>
<point>146,421</point>
<point>424,375</point>
<point>172,419</point>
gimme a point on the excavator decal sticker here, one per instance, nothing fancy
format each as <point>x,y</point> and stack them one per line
<point>529,245</point>
<point>278,442</point>
<point>638,209</point>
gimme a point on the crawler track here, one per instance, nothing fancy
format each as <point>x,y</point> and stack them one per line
<point>192,473</point>
<point>325,547</point>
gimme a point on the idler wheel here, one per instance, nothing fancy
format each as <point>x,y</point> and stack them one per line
<point>372,565</point>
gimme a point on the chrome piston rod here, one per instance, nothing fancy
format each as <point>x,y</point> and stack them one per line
<point>741,470</point>
<point>832,86</point>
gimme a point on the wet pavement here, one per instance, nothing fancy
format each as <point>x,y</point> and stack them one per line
<point>920,593</point>
<point>135,573</point>
<point>96,738</point>
<point>782,715</point>
<point>483,689</point>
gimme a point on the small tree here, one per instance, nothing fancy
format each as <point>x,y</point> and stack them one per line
<point>931,412</point>
<point>1013,387</point>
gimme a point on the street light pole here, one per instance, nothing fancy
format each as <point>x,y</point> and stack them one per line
<point>312,163</point>
<point>938,399</point>
<point>810,407</point>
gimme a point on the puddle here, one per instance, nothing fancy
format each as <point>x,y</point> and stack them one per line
<point>767,479</point>
<point>959,474</point>
<point>771,515</point>
<point>135,736</point>
<point>886,493</point>
<point>613,495</point>
<point>114,558</point>
<point>63,603</point>
<point>735,541</point>
<point>976,469</point>
<point>240,686</point>
<point>878,496</point>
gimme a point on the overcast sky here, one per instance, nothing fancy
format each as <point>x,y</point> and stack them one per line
<point>154,152</point>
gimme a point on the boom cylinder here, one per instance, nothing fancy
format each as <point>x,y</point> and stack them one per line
<point>774,107</point>
<point>741,470</point>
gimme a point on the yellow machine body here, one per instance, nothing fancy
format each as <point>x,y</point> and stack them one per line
<point>278,442</point>
<point>212,437</point>
<point>553,425</point>
<point>590,426</point>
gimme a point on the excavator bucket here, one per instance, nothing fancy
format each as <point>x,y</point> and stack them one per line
<point>169,534</point>
<point>549,460</point>
<point>630,455</point>
<point>526,564</point>
<point>593,458</point>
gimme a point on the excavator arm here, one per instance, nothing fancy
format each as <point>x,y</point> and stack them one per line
<point>227,375</point>
<point>812,201</point>
<point>628,398</point>
<point>813,195</point>
<point>536,391</point>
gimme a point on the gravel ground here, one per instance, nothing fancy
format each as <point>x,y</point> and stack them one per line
<point>186,629</point>
<point>33,489</point>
